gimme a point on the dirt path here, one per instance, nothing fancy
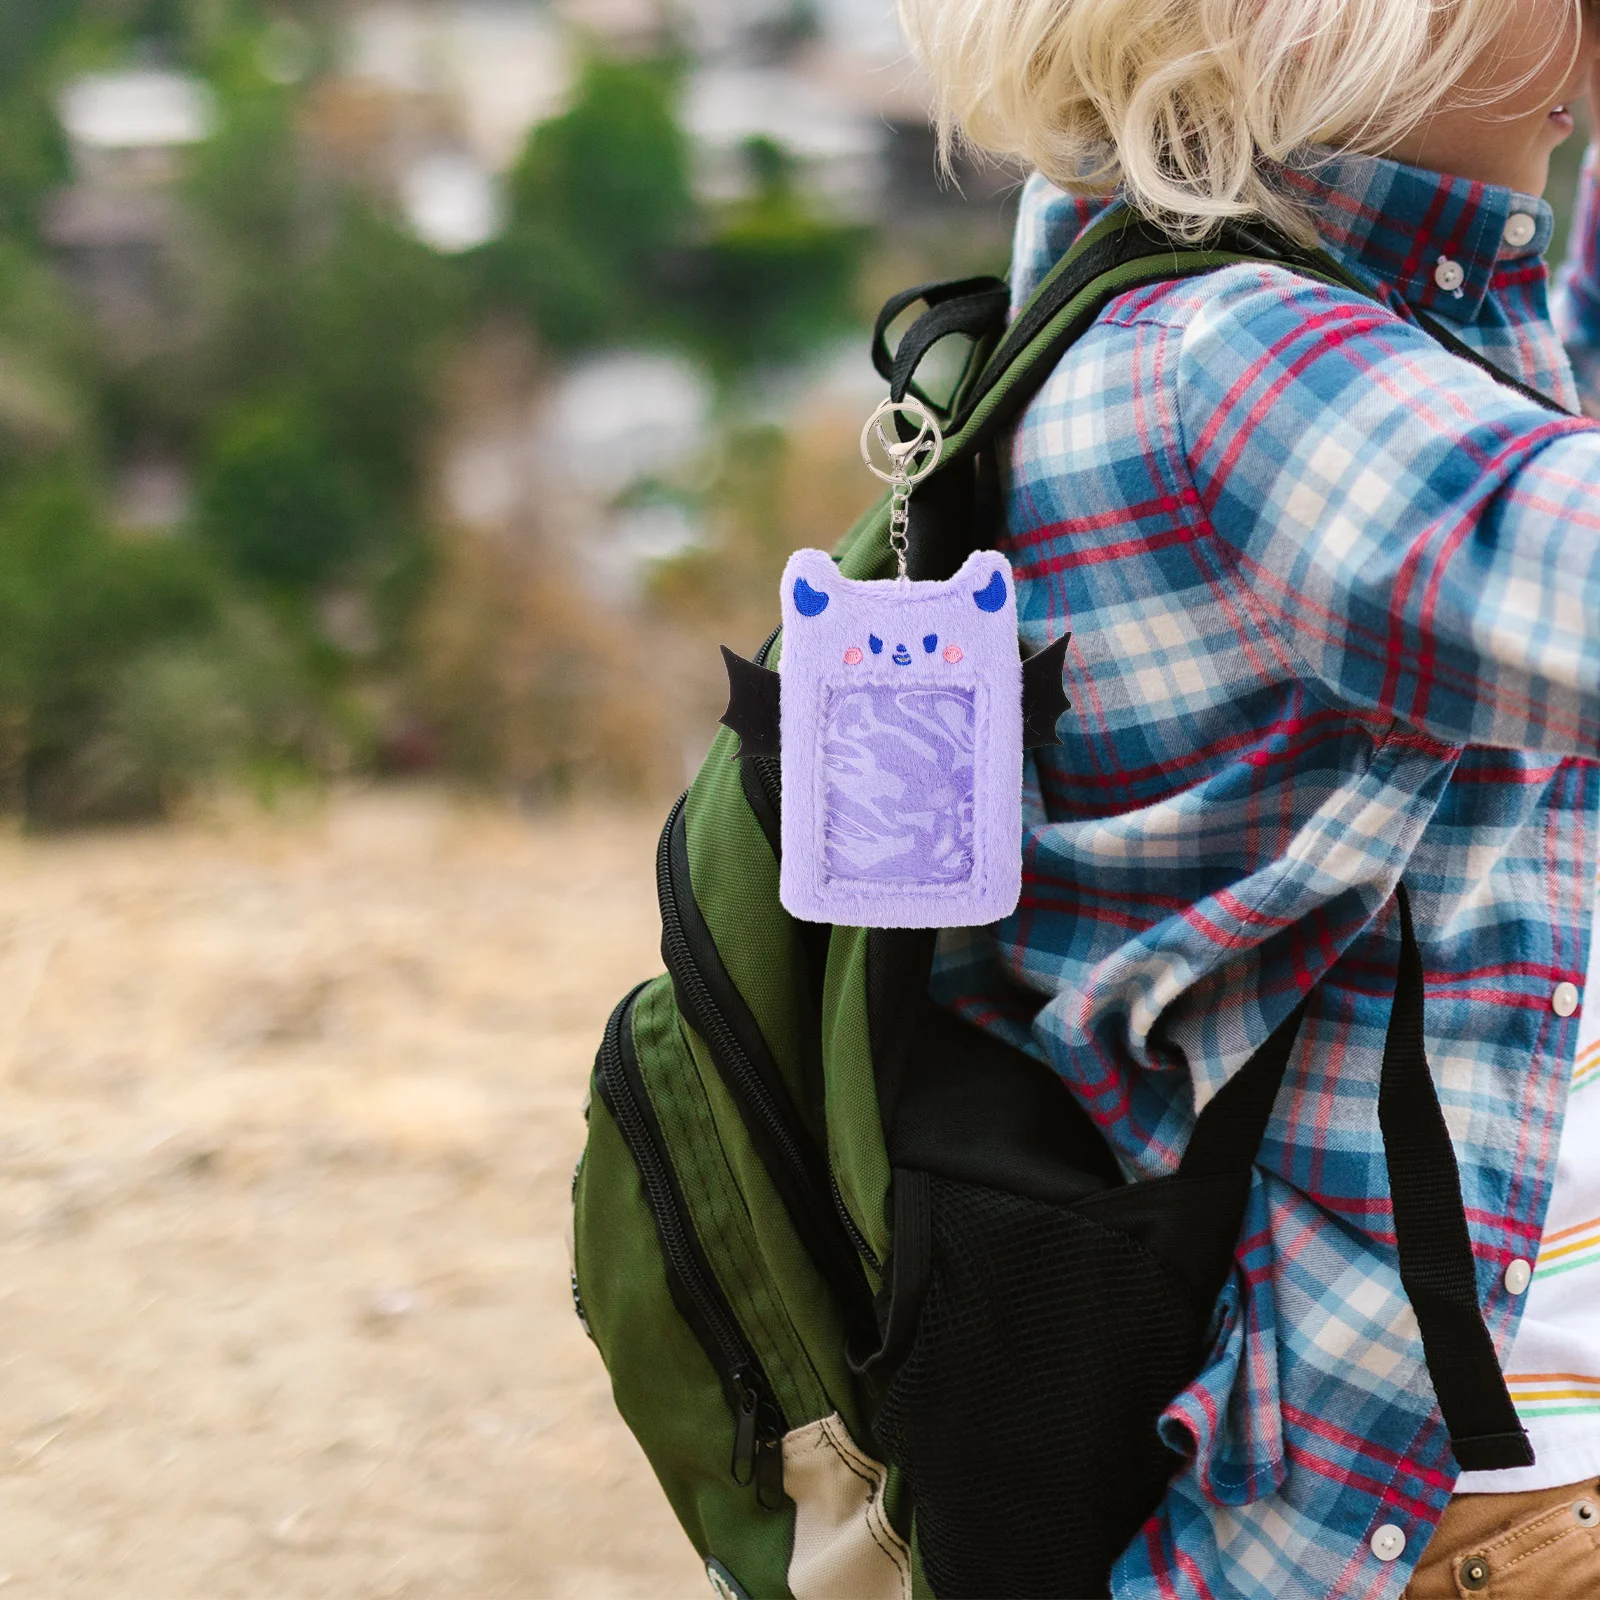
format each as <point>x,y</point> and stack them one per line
<point>290,1111</point>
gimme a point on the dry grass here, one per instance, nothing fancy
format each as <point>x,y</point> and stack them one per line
<point>290,1113</point>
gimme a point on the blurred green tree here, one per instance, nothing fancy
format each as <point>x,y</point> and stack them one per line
<point>600,195</point>
<point>316,386</point>
<point>275,500</point>
<point>607,242</point>
<point>372,314</point>
<point>296,378</point>
<point>773,278</point>
<point>316,288</point>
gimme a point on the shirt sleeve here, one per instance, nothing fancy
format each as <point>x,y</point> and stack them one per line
<point>1576,302</point>
<point>1419,541</point>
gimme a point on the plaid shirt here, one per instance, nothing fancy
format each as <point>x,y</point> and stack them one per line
<point>1333,596</point>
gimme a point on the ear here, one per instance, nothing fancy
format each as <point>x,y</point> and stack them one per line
<point>810,580</point>
<point>993,595</point>
<point>986,576</point>
<point>809,602</point>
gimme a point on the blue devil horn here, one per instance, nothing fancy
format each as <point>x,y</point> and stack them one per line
<point>811,602</point>
<point>992,595</point>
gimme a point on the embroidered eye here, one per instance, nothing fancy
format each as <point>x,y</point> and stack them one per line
<point>930,642</point>
<point>875,644</point>
<point>852,656</point>
<point>952,653</point>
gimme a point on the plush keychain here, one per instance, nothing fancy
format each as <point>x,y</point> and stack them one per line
<point>900,715</point>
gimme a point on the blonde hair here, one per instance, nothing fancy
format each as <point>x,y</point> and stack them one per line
<point>1194,105</point>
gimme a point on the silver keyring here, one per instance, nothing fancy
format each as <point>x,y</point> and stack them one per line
<point>928,444</point>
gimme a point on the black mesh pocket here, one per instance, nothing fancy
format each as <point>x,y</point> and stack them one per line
<point>1024,1414</point>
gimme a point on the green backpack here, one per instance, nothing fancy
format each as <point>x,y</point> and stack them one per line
<point>813,1208</point>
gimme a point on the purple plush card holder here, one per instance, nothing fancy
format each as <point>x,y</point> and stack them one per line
<point>902,738</point>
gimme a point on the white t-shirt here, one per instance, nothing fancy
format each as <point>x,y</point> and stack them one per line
<point>1554,1368</point>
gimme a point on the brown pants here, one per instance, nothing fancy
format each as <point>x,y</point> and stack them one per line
<point>1542,1545</point>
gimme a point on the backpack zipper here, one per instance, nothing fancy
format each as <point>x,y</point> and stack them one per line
<point>848,1223</point>
<point>799,1170</point>
<point>707,1019</point>
<point>759,1424</point>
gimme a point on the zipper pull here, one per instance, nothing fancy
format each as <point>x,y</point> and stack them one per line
<point>757,1441</point>
<point>769,1460</point>
<point>747,1390</point>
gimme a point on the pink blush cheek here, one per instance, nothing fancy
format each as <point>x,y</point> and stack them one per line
<point>852,657</point>
<point>952,653</point>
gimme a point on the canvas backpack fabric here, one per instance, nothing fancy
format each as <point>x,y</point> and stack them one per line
<point>872,1291</point>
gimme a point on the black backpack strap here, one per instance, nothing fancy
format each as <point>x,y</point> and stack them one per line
<point>974,307</point>
<point>1437,331</point>
<point>1434,1245</point>
<point>1101,255</point>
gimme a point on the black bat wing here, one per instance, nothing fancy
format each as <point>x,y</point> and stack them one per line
<point>1043,698</point>
<point>752,705</point>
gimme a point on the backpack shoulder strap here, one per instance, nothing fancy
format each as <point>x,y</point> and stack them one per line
<point>956,507</point>
<point>1119,252</point>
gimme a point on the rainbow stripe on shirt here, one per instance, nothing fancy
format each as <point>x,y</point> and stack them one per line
<point>1569,1249</point>
<point>1586,1069</point>
<point>1554,1394</point>
<point>1561,1394</point>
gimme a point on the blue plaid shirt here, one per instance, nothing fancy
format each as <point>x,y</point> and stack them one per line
<point>1335,602</point>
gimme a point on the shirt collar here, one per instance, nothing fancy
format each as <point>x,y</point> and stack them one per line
<point>1434,240</point>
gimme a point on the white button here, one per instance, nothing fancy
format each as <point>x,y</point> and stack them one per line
<point>1448,275</point>
<point>1518,1276</point>
<point>1565,999</point>
<point>1389,1543</point>
<point>1520,229</point>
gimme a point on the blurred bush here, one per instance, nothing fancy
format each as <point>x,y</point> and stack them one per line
<point>44,360</point>
<point>184,717</point>
<point>275,499</point>
<point>533,686</point>
<point>124,680</point>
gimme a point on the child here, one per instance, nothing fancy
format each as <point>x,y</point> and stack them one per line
<point>1335,602</point>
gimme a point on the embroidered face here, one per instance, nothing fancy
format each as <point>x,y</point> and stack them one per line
<point>900,710</point>
<point>884,630</point>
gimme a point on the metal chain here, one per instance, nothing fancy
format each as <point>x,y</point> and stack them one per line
<point>900,518</point>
